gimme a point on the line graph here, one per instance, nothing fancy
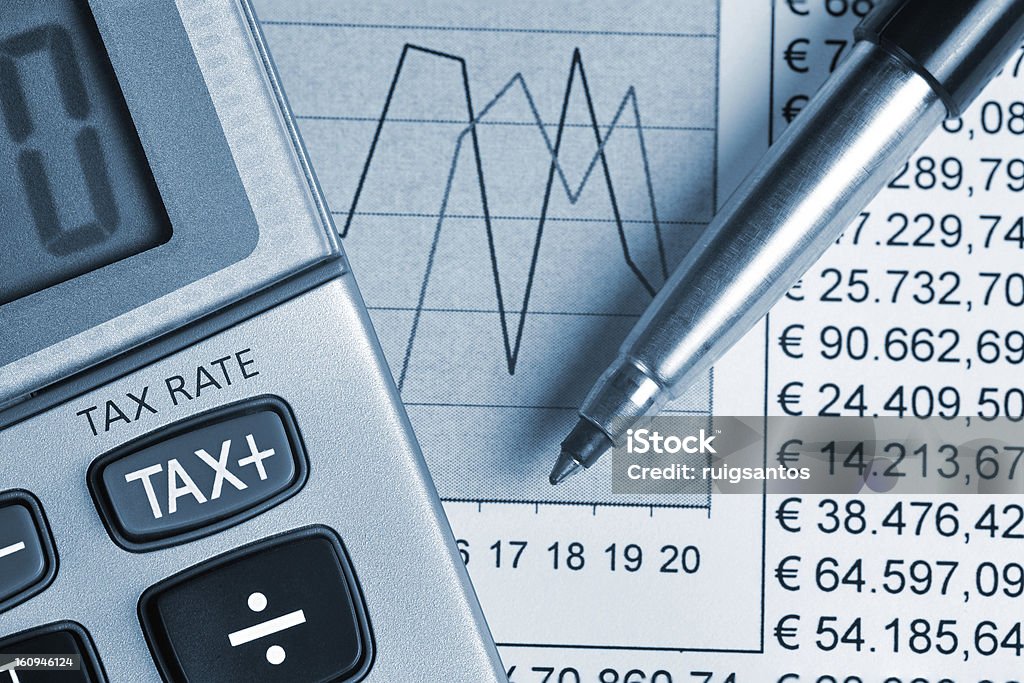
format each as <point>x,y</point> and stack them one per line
<point>575,70</point>
<point>512,181</point>
<point>503,277</point>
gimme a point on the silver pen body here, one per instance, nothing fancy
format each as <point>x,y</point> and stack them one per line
<point>867,120</point>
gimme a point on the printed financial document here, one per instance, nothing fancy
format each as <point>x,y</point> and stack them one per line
<point>513,181</point>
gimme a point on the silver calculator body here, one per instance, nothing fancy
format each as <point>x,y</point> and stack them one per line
<point>205,471</point>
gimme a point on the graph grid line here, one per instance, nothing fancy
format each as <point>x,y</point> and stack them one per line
<point>409,311</point>
<point>576,70</point>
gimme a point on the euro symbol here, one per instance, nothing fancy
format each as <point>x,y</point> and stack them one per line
<point>784,632</point>
<point>793,107</point>
<point>792,293</point>
<point>787,456</point>
<point>784,573</point>
<point>795,55</point>
<point>790,395</point>
<point>785,515</point>
<point>794,4</point>
<point>791,337</point>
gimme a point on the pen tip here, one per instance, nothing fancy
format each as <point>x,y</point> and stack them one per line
<point>563,469</point>
<point>584,445</point>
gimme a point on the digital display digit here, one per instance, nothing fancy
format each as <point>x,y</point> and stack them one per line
<point>76,191</point>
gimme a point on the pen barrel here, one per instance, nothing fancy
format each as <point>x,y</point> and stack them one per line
<point>854,135</point>
<point>955,45</point>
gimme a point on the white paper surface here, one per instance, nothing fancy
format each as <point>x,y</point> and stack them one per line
<point>504,260</point>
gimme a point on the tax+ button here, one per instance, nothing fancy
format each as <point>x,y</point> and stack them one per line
<point>286,609</point>
<point>200,475</point>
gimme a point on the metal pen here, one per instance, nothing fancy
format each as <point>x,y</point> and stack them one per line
<point>914,63</point>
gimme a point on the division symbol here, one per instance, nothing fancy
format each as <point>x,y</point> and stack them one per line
<point>275,653</point>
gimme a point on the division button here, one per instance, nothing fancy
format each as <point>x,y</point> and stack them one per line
<point>58,653</point>
<point>27,559</point>
<point>285,609</point>
<point>199,476</point>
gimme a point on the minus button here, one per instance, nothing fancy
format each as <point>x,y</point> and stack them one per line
<point>28,559</point>
<point>11,549</point>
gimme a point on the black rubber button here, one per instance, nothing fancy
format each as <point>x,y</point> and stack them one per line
<point>199,476</point>
<point>285,609</point>
<point>27,558</point>
<point>57,653</point>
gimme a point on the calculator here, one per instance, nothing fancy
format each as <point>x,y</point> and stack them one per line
<point>205,470</point>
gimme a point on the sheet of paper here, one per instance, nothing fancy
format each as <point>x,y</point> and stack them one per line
<point>513,181</point>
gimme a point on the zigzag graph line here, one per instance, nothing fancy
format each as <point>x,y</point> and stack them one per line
<point>513,342</point>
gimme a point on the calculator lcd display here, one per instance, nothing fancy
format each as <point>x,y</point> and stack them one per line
<point>76,191</point>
